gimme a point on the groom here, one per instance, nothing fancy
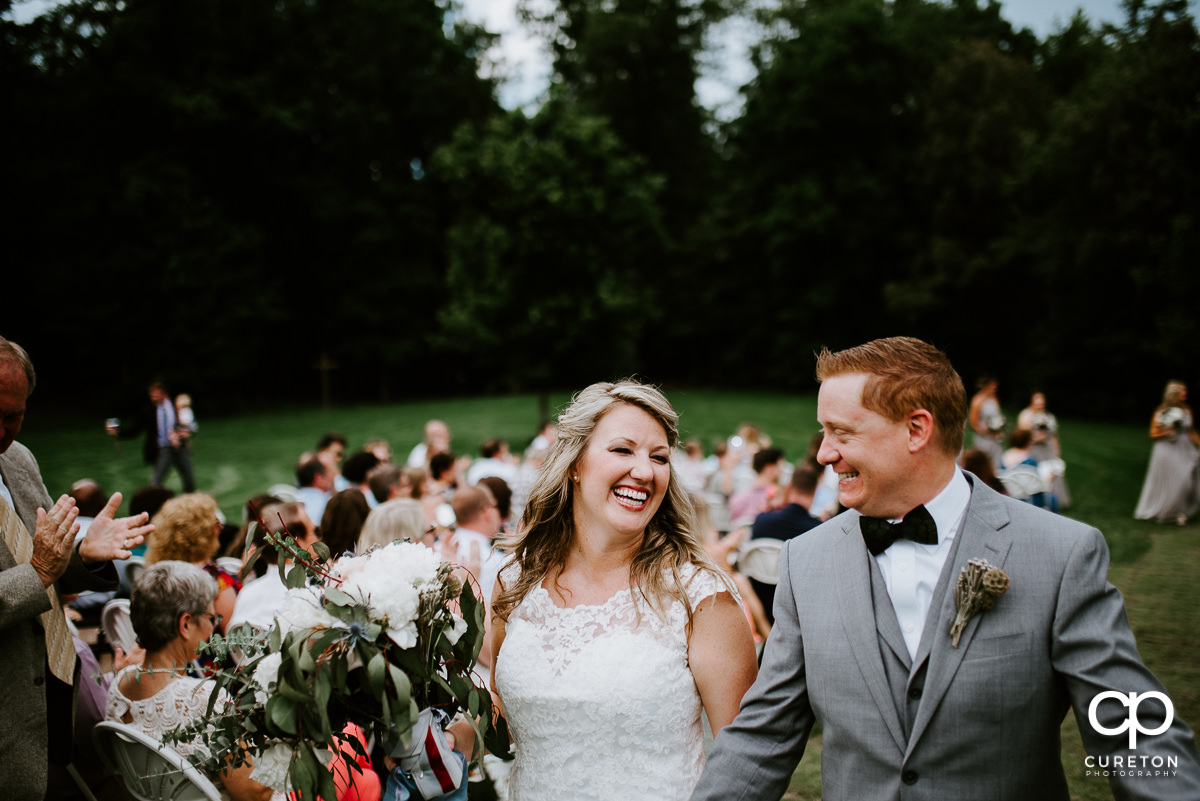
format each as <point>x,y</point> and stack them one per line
<point>861,640</point>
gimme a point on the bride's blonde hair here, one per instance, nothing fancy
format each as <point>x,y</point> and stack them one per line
<point>544,537</point>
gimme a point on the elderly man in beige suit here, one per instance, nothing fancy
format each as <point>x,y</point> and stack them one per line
<point>39,669</point>
<point>912,706</point>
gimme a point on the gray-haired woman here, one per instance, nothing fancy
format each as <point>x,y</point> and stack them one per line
<point>172,613</point>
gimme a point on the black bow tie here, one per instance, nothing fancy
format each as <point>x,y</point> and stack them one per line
<point>917,526</point>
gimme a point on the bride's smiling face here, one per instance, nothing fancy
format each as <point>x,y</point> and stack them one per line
<point>622,477</point>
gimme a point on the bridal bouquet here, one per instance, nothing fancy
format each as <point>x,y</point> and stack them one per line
<point>1171,417</point>
<point>372,640</point>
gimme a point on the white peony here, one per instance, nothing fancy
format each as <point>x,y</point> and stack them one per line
<point>271,767</point>
<point>302,609</point>
<point>266,673</point>
<point>389,583</point>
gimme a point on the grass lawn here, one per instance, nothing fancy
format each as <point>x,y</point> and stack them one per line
<point>1153,566</point>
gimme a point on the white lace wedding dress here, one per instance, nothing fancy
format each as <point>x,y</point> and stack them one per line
<point>601,706</point>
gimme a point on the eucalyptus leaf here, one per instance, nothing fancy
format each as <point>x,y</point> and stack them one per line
<point>337,597</point>
<point>321,550</point>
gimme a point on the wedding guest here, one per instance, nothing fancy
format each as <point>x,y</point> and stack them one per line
<point>437,440</point>
<point>786,523</point>
<point>355,473</point>
<point>380,447</point>
<point>315,485</point>
<point>39,557</point>
<point>387,481</point>
<point>397,519</point>
<point>748,504</point>
<point>688,464</point>
<point>1045,445</point>
<point>186,529</point>
<point>172,613</point>
<point>503,495</point>
<point>1018,459</point>
<point>342,523</point>
<point>164,444</point>
<point>918,696</point>
<point>612,628</point>
<point>331,449</point>
<point>495,460</point>
<point>260,599</point>
<point>1170,493</point>
<point>986,420</point>
<point>980,463</point>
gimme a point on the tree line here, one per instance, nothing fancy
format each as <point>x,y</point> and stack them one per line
<point>237,196</point>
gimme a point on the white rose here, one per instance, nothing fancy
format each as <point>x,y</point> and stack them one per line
<point>271,767</point>
<point>302,609</point>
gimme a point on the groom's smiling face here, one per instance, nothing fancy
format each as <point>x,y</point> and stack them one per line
<point>869,452</point>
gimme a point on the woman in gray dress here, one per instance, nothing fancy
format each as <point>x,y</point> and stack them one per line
<point>1171,492</point>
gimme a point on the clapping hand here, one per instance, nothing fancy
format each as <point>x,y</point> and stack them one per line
<point>53,539</point>
<point>109,538</point>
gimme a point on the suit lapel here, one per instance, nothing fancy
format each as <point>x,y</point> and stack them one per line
<point>982,536</point>
<point>857,609</point>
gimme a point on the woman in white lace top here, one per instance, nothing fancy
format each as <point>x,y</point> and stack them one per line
<point>172,613</point>
<point>612,629</point>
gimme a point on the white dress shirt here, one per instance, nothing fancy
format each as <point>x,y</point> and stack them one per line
<point>911,570</point>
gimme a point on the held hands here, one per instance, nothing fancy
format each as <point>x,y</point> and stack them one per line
<point>54,539</point>
<point>109,539</point>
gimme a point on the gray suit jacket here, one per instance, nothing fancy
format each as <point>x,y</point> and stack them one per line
<point>979,722</point>
<point>24,725</point>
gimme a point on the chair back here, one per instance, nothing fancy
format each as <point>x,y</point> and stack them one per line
<point>1023,482</point>
<point>134,567</point>
<point>147,769</point>
<point>759,559</point>
<point>116,624</point>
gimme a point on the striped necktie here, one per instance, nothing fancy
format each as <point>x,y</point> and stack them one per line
<point>59,646</point>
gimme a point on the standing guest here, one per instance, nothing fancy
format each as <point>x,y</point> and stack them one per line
<point>343,521</point>
<point>187,529</point>
<point>787,523</point>
<point>547,435</point>
<point>314,480</point>
<point>437,440</point>
<point>612,628</point>
<point>164,445</point>
<point>987,422</point>
<point>865,609</point>
<point>260,599</point>
<point>1170,493</point>
<point>39,558</point>
<point>689,467</point>
<point>380,447</point>
<point>495,461</point>
<point>1045,444</point>
<point>527,474</point>
<point>185,416</point>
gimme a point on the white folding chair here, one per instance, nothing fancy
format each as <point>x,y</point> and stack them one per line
<point>148,769</point>
<point>117,627</point>
<point>759,559</point>
<point>1023,482</point>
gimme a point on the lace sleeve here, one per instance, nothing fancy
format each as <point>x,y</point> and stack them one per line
<point>700,584</point>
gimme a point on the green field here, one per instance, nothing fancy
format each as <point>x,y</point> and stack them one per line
<point>1153,566</point>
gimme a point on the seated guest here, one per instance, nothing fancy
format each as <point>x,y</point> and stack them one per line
<point>980,463</point>
<point>343,522</point>
<point>750,503</point>
<point>172,613</point>
<point>387,481</point>
<point>496,461</point>
<point>783,524</point>
<point>355,471</point>
<point>260,599</point>
<point>186,529</point>
<point>315,482</point>
<point>397,519</point>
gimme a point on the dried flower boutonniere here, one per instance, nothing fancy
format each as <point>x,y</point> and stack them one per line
<point>979,585</point>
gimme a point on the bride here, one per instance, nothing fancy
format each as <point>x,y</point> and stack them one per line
<point>612,629</point>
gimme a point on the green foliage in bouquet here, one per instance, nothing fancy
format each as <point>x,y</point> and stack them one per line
<point>368,639</point>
